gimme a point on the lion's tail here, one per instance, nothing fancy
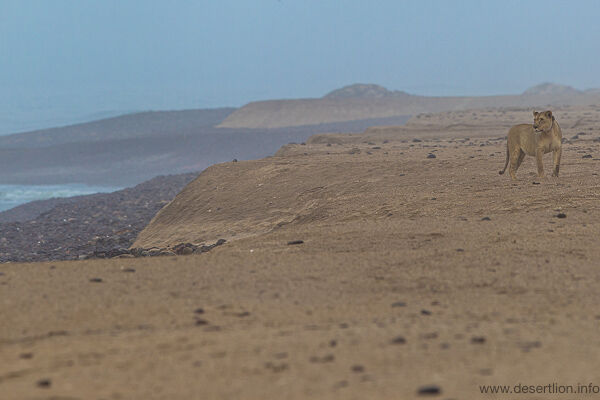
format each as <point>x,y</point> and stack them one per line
<point>507,157</point>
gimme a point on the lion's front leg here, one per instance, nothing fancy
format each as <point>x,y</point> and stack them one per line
<point>556,156</point>
<point>538,155</point>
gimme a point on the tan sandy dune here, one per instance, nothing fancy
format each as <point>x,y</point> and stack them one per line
<point>413,271</point>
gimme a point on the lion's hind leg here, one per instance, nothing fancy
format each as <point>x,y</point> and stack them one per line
<point>556,156</point>
<point>520,159</point>
<point>516,157</point>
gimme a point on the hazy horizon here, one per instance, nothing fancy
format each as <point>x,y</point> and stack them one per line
<point>73,61</point>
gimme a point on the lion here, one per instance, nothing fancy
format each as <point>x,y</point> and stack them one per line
<point>542,137</point>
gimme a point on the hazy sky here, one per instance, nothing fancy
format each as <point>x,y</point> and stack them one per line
<point>84,57</point>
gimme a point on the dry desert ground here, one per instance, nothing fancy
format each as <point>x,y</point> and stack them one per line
<point>416,277</point>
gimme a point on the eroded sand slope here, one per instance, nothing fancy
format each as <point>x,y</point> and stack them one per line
<point>413,271</point>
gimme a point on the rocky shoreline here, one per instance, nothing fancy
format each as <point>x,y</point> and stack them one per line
<point>97,226</point>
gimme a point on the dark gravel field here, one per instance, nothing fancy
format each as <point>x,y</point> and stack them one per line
<point>74,228</point>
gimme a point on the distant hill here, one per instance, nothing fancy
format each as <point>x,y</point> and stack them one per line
<point>362,101</point>
<point>551,89</point>
<point>360,90</point>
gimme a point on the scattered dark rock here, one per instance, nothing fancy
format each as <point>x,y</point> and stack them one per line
<point>184,249</point>
<point>128,270</point>
<point>333,343</point>
<point>587,156</point>
<point>429,336</point>
<point>243,314</point>
<point>431,155</point>
<point>200,322</point>
<point>292,242</point>
<point>486,219</point>
<point>96,280</point>
<point>415,140</point>
<point>478,340</point>
<point>429,390</point>
<point>399,304</point>
<point>357,368</point>
<point>325,359</point>
<point>44,383</point>
<point>460,250</point>
<point>235,160</point>
<point>26,356</point>
<point>561,215</point>
<point>179,249</point>
<point>425,312</point>
<point>399,340</point>
<point>276,367</point>
<point>527,346</point>
<point>199,311</point>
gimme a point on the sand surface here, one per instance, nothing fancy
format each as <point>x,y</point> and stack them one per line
<point>413,272</point>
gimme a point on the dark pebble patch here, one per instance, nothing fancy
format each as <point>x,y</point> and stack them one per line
<point>478,340</point>
<point>399,340</point>
<point>96,280</point>
<point>199,311</point>
<point>486,219</point>
<point>561,215</point>
<point>293,242</point>
<point>44,383</point>
<point>429,390</point>
<point>399,304</point>
<point>243,314</point>
<point>357,368</point>
<point>430,155</point>
<point>128,270</point>
<point>425,312</point>
<point>325,359</point>
<point>587,156</point>
<point>201,322</point>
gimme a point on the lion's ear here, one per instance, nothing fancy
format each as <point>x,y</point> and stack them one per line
<point>535,113</point>
<point>549,114</point>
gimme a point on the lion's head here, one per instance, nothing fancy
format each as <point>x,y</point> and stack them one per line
<point>542,121</point>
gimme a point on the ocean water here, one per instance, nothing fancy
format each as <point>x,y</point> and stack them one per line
<point>14,195</point>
